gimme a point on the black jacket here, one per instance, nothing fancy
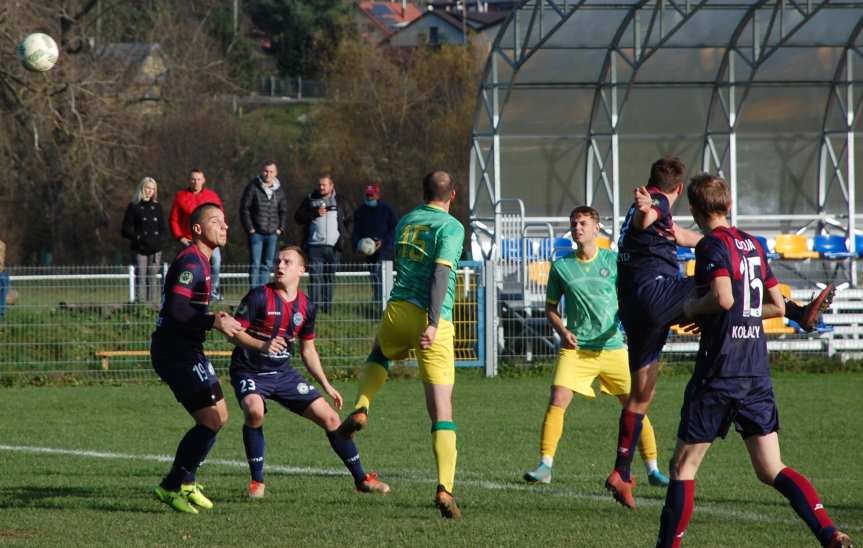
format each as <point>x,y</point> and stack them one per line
<point>305,214</point>
<point>378,223</point>
<point>144,225</point>
<point>261,214</point>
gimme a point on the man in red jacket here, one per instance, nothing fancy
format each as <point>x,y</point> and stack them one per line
<point>185,203</point>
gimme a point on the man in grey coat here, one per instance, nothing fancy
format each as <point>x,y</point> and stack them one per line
<point>263,214</point>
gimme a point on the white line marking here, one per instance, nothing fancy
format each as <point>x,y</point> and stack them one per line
<point>410,477</point>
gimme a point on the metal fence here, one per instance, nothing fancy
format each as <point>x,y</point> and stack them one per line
<point>88,320</point>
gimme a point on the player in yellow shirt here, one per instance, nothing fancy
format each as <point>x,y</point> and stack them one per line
<point>591,338</point>
<point>418,317</point>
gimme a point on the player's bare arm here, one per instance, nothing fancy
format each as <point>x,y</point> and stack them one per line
<point>270,346</point>
<point>645,214</point>
<point>720,298</point>
<point>686,237</point>
<point>774,303</point>
<point>312,361</point>
<point>567,337</point>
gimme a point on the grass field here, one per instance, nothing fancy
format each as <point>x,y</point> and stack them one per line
<point>79,464</point>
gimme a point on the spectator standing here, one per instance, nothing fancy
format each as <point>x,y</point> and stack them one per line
<point>323,216</point>
<point>185,203</point>
<point>4,279</point>
<point>144,226</point>
<point>375,219</point>
<point>264,215</point>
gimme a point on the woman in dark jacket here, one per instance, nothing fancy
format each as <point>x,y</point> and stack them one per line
<point>144,225</point>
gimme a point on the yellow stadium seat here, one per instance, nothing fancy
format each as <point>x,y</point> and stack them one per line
<point>538,272</point>
<point>603,242</point>
<point>794,246</point>
<point>776,326</point>
<point>690,267</point>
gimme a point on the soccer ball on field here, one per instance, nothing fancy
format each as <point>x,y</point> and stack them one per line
<point>38,52</point>
<point>366,246</point>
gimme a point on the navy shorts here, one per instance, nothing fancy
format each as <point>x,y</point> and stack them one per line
<point>647,312</point>
<point>711,406</point>
<point>189,374</point>
<point>286,387</point>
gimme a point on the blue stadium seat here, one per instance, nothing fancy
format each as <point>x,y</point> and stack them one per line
<point>562,247</point>
<point>831,246</point>
<point>858,245</point>
<point>764,245</point>
<point>511,248</point>
<point>685,254</point>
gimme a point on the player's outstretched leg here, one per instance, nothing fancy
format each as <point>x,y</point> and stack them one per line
<point>320,412</point>
<point>373,376</point>
<point>807,316</point>
<point>794,486</point>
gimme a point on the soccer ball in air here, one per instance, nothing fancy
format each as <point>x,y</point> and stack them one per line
<point>38,52</point>
<point>366,246</point>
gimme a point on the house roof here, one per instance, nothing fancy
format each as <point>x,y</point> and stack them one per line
<point>389,16</point>
<point>129,58</point>
<point>476,22</point>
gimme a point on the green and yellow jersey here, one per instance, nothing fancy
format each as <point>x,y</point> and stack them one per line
<point>426,236</point>
<point>589,288</point>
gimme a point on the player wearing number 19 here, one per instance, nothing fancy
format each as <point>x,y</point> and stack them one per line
<point>419,317</point>
<point>177,352</point>
<point>275,315</point>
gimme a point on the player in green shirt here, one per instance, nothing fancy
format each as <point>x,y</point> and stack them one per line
<point>418,317</point>
<point>592,343</point>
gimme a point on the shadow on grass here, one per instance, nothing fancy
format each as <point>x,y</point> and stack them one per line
<point>71,498</point>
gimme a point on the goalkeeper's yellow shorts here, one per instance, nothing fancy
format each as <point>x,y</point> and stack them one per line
<point>400,332</point>
<point>577,369</point>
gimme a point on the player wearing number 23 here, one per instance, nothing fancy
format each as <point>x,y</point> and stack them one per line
<point>277,317</point>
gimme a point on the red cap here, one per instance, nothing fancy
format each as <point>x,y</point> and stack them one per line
<point>372,189</point>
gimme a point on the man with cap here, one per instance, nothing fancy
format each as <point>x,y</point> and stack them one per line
<point>375,219</point>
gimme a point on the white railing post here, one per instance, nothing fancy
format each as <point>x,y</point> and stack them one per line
<point>131,283</point>
<point>387,277</point>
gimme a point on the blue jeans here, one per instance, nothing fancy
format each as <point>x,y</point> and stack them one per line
<point>262,254</point>
<point>323,263</point>
<point>4,290</point>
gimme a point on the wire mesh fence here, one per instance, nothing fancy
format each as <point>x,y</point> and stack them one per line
<point>89,320</point>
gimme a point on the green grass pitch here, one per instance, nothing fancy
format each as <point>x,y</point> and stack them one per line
<point>79,465</point>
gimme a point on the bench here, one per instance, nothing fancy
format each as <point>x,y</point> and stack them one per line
<point>106,355</point>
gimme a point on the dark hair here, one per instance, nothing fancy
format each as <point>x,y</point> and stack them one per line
<point>268,163</point>
<point>708,195</point>
<point>197,170</point>
<point>198,213</point>
<point>296,248</point>
<point>585,210</point>
<point>437,186</point>
<point>666,173</point>
<point>326,175</point>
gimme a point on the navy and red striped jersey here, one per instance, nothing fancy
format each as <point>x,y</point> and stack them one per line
<point>733,342</point>
<point>185,298</point>
<point>266,315</point>
<point>645,254</point>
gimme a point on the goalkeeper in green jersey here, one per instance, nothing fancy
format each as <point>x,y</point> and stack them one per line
<point>592,342</point>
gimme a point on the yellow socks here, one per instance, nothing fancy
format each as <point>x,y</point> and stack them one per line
<point>445,453</point>
<point>552,428</point>
<point>372,378</point>
<point>647,441</point>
